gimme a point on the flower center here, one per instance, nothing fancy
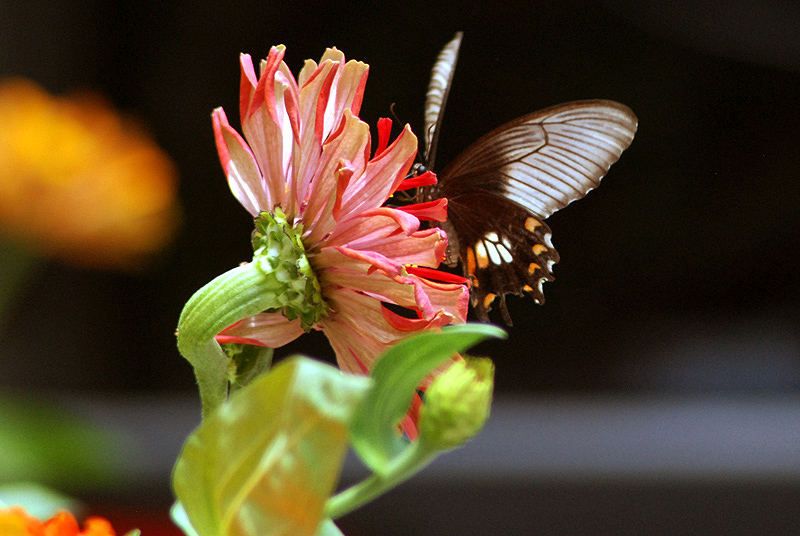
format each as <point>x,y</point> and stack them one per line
<point>280,254</point>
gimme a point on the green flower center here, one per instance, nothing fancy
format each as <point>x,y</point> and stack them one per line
<point>279,253</point>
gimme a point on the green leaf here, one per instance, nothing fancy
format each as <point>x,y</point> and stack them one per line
<point>44,442</point>
<point>178,515</point>
<point>265,462</point>
<point>329,528</point>
<point>397,374</point>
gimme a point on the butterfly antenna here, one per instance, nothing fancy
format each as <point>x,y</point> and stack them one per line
<point>394,114</point>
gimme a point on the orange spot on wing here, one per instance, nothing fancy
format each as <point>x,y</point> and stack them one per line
<point>532,267</point>
<point>538,249</point>
<point>531,224</point>
<point>487,301</point>
<point>470,261</point>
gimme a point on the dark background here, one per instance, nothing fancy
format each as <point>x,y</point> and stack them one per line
<point>678,275</point>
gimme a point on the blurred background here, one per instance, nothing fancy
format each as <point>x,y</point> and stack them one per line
<point>656,390</point>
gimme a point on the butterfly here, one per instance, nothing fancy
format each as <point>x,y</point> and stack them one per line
<point>502,187</point>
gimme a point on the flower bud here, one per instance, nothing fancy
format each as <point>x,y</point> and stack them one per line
<point>457,403</point>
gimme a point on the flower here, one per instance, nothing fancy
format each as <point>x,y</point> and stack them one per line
<point>306,159</point>
<point>80,183</point>
<point>15,521</point>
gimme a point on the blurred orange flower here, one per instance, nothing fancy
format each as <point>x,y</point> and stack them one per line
<point>79,182</point>
<point>15,521</point>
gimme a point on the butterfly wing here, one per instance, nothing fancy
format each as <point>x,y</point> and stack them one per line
<point>436,97</point>
<point>502,247</point>
<point>505,184</point>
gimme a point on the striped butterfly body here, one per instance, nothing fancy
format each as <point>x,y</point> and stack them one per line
<point>502,187</point>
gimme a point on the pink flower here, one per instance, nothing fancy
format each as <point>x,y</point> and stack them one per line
<point>307,156</point>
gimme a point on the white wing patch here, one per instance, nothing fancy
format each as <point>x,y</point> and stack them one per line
<point>498,250</point>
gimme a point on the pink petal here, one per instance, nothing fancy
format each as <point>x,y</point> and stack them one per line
<point>271,130</point>
<point>264,329</point>
<point>308,149</point>
<point>247,84</point>
<point>349,91</point>
<point>381,222</point>
<point>364,258</point>
<point>347,149</point>
<point>265,90</point>
<point>357,329</point>
<point>239,165</point>
<point>382,176</point>
<point>332,54</point>
<point>377,276</point>
<point>405,324</point>
<point>343,176</point>
<point>451,298</point>
<point>426,250</point>
<point>361,275</point>
<point>321,129</point>
<point>391,233</point>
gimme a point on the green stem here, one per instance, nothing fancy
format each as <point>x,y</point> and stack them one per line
<point>409,462</point>
<point>211,370</point>
<point>232,296</point>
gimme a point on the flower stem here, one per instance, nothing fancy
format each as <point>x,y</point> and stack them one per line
<point>409,462</point>
<point>232,296</point>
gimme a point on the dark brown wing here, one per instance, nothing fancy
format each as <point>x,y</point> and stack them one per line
<point>505,184</point>
<point>503,249</point>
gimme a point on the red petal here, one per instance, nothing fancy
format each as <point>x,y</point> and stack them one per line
<point>384,133</point>
<point>426,179</point>
<point>437,275</point>
<point>435,210</point>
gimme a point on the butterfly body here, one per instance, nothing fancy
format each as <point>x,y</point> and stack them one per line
<point>502,187</point>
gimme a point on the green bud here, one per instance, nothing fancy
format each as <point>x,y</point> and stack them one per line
<point>280,254</point>
<point>457,403</point>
